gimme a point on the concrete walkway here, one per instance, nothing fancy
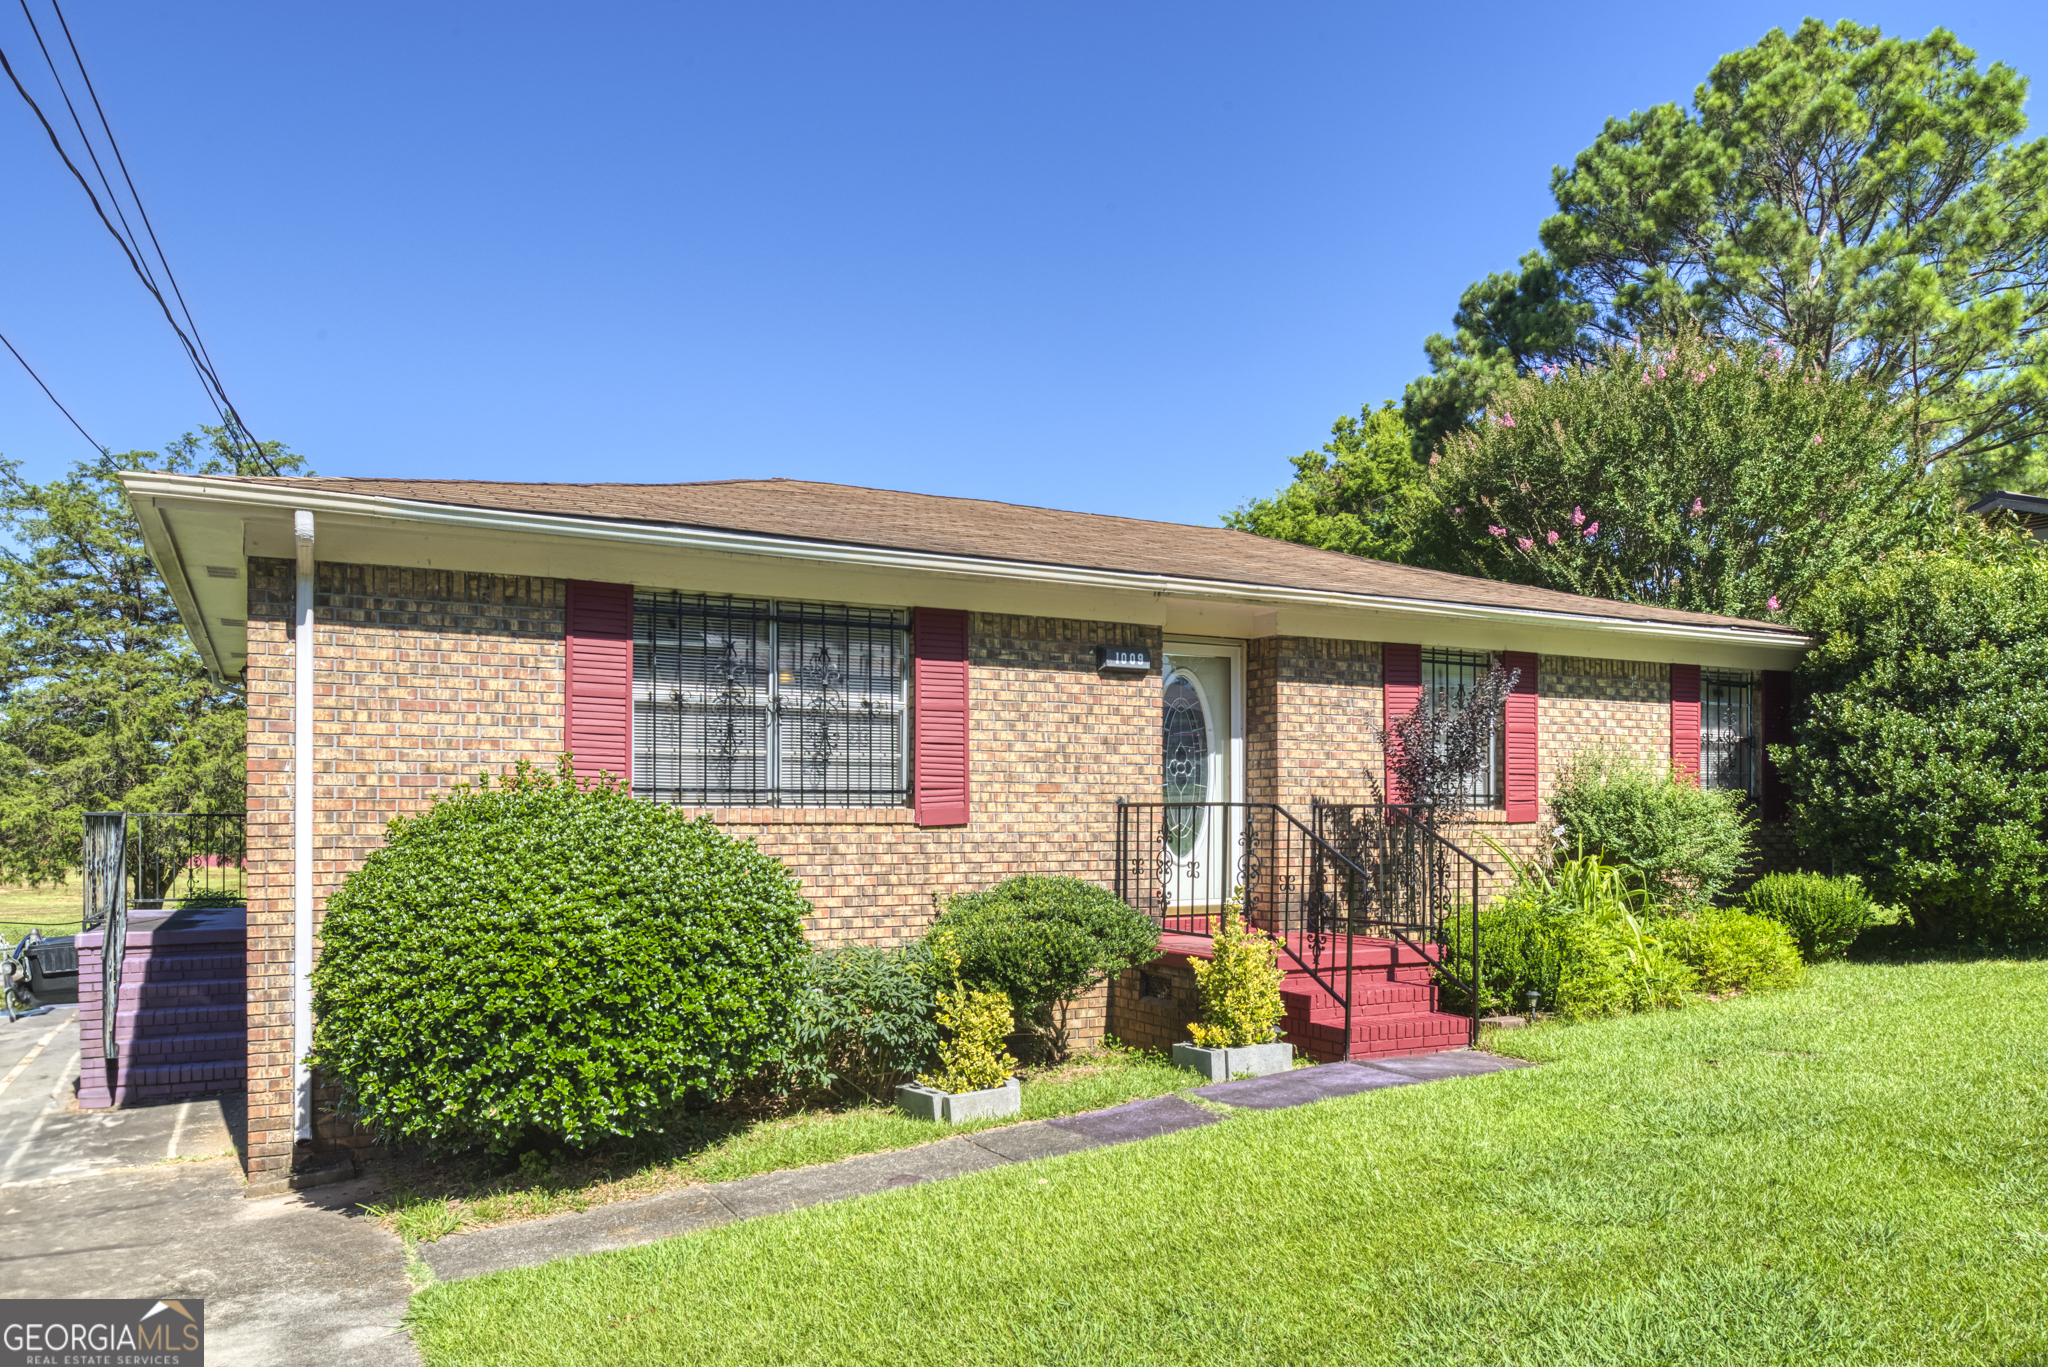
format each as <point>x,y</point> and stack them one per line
<point>627,1223</point>
<point>148,1202</point>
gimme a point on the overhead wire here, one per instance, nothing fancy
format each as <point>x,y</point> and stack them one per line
<point>245,445</point>
<point>46,390</point>
<point>133,193</point>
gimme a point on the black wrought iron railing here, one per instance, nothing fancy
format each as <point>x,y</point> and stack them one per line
<point>1355,873</point>
<point>145,861</point>
<point>161,860</point>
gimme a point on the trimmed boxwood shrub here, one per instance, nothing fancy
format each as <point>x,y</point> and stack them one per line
<point>550,958</point>
<point>1824,914</point>
<point>1042,940</point>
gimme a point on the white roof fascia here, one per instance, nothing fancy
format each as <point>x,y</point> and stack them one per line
<point>283,500</point>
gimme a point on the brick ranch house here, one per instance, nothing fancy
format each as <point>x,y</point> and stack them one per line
<point>898,695</point>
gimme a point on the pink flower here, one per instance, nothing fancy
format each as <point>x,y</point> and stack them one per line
<point>1816,439</point>
<point>1646,377</point>
<point>1553,538</point>
<point>1525,543</point>
<point>1457,512</point>
<point>1578,517</point>
<point>1660,372</point>
<point>1506,419</point>
<point>1592,531</point>
<point>1498,531</point>
<point>1697,508</point>
<point>1773,603</point>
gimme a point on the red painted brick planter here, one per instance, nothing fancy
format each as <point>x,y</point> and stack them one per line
<point>181,1020</point>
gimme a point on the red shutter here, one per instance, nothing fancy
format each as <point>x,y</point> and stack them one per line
<point>1685,722</point>
<point>1774,700</point>
<point>600,721</point>
<point>1400,694</point>
<point>939,763</point>
<point>1521,737</point>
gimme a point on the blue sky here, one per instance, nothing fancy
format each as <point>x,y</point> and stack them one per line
<point>1123,258</point>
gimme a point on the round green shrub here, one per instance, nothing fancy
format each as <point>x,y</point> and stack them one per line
<point>1824,914</point>
<point>553,958</point>
<point>1682,842</point>
<point>1734,951</point>
<point>1042,940</point>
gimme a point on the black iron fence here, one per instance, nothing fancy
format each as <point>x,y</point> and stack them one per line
<point>1356,872</point>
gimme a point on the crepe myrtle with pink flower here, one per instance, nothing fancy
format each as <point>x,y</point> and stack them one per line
<point>1683,473</point>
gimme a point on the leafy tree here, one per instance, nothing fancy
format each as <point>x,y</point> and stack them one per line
<point>1921,755</point>
<point>1715,478</point>
<point>103,703</point>
<point>1863,201</point>
<point>1348,496</point>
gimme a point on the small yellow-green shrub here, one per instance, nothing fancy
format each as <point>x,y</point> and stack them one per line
<point>1736,951</point>
<point>971,1057</point>
<point>1240,987</point>
<point>1618,962</point>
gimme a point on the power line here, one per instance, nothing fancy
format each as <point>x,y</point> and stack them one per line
<point>195,351</point>
<point>133,193</point>
<point>46,390</point>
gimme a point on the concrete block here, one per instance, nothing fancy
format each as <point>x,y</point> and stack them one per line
<point>1221,1065</point>
<point>953,1108</point>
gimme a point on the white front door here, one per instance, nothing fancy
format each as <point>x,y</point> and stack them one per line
<point>1202,754</point>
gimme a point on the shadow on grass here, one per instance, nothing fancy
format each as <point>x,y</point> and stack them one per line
<point>1909,944</point>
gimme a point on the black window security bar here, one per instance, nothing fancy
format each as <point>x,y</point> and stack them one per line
<point>1448,678</point>
<point>1728,717</point>
<point>748,702</point>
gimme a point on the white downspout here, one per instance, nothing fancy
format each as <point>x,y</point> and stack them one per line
<point>302,828</point>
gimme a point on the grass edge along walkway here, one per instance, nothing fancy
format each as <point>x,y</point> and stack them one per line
<point>1853,1172</point>
<point>625,1224</point>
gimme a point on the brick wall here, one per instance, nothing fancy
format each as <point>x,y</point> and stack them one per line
<point>1312,707</point>
<point>427,678</point>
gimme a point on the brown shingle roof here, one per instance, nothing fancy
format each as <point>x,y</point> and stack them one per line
<point>849,515</point>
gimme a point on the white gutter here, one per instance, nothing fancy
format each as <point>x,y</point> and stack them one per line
<point>202,489</point>
<point>302,827</point>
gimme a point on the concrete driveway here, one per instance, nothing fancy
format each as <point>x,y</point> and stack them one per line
<point>148,1202</point>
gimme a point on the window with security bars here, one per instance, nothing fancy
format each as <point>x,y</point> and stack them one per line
<point>1728,730</point>
<point>1448,678</point>
<point>741,702</point>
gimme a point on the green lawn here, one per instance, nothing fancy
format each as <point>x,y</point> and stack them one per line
<point>432,1199</point>
<point>1853,1172</point>
<point>53,908</point>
